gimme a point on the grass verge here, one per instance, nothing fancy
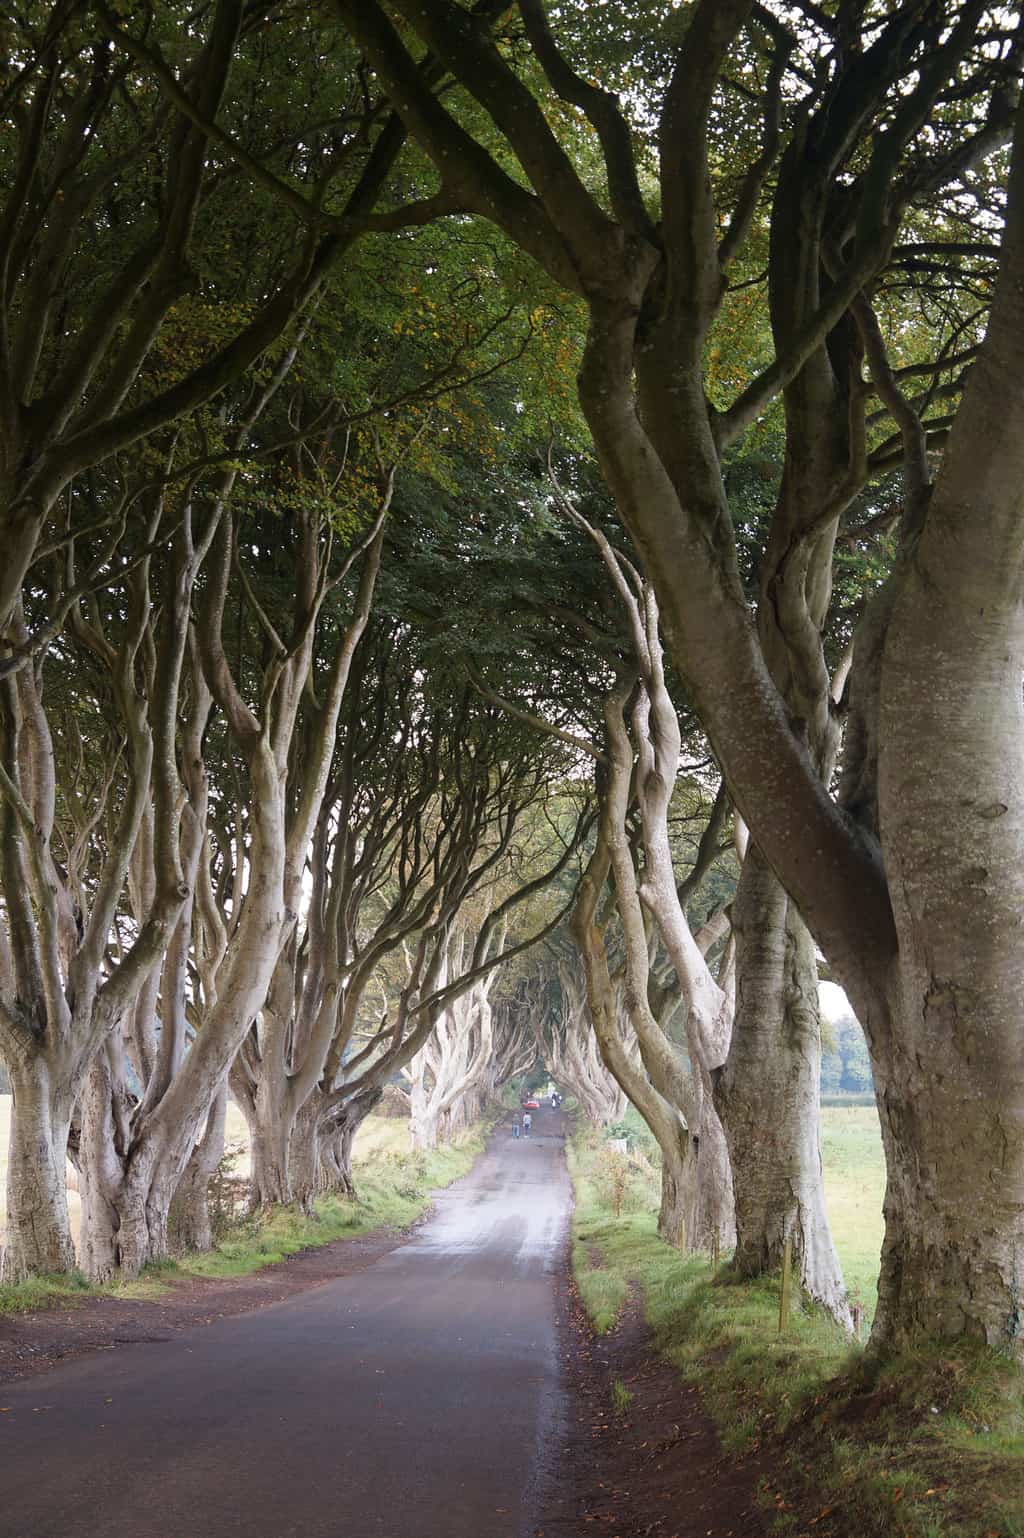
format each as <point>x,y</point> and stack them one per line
<point>929,1446</point>
<point>37,1292</point>
<point>393,1187</point>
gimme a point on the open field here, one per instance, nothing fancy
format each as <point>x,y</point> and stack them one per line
<point>854,1190</point>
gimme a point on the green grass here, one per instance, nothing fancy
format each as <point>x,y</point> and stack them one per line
<point>37,1292</point>
<point>393,1190</point>
<point>854,1190</point>
<point>622,1397</point>
<point>932,1446</point>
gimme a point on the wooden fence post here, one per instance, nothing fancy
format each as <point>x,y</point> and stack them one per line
<point>787,1264</point>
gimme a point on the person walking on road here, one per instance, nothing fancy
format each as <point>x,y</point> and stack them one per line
<point>527,1124</point>
<point>515,1125</point>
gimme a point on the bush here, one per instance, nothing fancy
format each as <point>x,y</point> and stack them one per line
<point>638,1135</point>
<point>230,1194</point>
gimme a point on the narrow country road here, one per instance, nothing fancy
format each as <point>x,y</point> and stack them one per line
<point>413,1400</point>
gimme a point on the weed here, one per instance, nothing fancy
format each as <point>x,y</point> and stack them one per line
<point>622,1397</point>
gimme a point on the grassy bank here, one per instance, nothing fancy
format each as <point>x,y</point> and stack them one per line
<point>931,1447</point>
<point>393,1185</point>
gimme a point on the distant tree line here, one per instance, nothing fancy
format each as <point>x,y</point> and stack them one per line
<point>845,1061</point>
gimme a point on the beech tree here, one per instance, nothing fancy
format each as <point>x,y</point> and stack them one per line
<point>772,1169</point>
<point>115,176</point>
<point>628,1004</point>
<point>61,995</point>
<point>566,1040</point>
<point>122,321</point>
<point>569,626</point>
<point>447,1073</point>
<point>426,806</point>
<point>134,1156</point>
<point>866,114</point>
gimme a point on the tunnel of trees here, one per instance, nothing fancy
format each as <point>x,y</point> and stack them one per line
<point>512,553</point>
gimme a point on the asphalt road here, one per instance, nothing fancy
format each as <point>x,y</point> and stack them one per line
<point>413,1400</point>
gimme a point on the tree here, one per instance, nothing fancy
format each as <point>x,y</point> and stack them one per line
<point>425,818</point>
<point>123,320</point>
<point>121,314</point>
<point>566,1040</point>
<point>453,1062</point>
<point>135,1154</point>
<point>865,117</point>
<point>60,996</point>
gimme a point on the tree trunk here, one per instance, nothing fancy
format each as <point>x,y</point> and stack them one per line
<point>336,1166</point>
<point>953,1255</point>
<point>129,1179</point>
<point>949,1062</point>
<point>713,1225</point>
<point>38,1231</point>
<point>336,1149</point>
<point>422,1120</point>
<point>304,1156</point>
<point>104,1111</point>
<point>676,1215</point>
<point>144,1208</point>
<point>424,1133</point>
<point>767,1092</point>
<point>126,1204</point>
<point>271,1132</point>
<point>191,1224</point>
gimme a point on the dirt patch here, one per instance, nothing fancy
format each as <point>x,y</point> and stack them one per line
<point>32,1342</point>
<point>655,1467</point>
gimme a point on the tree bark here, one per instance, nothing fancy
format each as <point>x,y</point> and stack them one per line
<point>305,1154</point>
<point>104,1111</point>
<point>948,1060</point>
<point>713,1222</point>
<point>336,1147</point>
<point>676,1215</point>
<point>190,1225</point>
<point>767,1092</point>
<point>38,1230</point>
<point>272,1125</point>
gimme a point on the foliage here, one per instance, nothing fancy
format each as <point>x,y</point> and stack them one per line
<point>845,1064</point>
<point>637,1134</point>
<point>615,1179</point>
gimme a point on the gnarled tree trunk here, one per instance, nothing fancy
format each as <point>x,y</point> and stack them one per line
<point>190,1225</point>
<point>38,1230</point>
<point>767,1092</point>
<point>337,1142</point>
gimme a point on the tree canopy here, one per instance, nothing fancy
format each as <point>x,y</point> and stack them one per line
<point>454,453</point>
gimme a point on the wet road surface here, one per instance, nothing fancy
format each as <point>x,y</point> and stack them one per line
<point>413,1400</point>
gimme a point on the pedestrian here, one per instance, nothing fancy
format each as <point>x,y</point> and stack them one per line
<point>527,1124</point>
<point>515,1125</point>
